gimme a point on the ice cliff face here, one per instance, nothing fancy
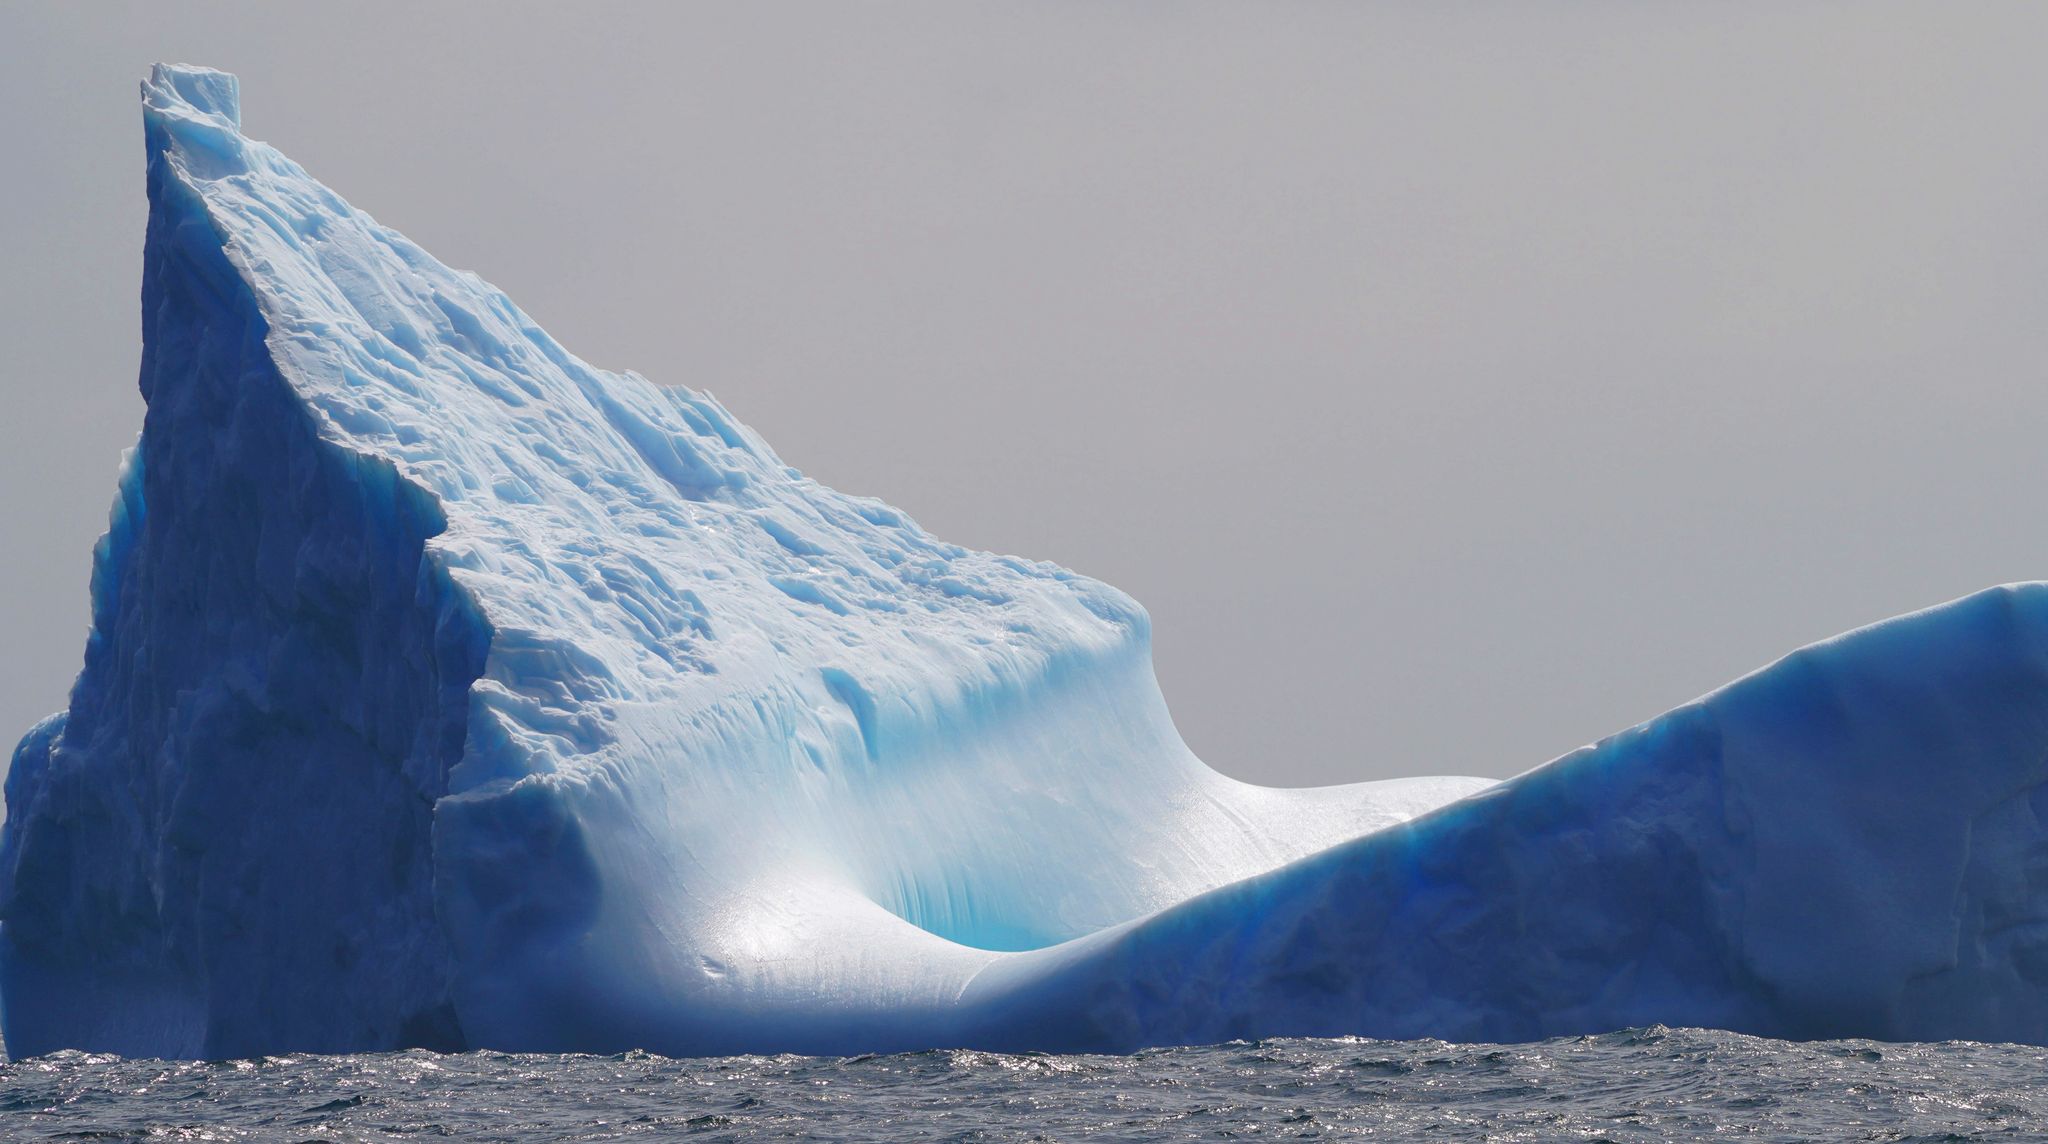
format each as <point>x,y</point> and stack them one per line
<point>443,690</point>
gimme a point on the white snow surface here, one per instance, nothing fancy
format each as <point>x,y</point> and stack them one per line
<point>446,690</point>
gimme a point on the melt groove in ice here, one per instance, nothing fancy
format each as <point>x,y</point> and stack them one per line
<point>444,690</point>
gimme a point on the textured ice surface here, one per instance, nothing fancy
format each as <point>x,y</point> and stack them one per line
<point>444,690</point>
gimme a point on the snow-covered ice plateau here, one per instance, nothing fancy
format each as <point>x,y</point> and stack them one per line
<point>443,690</point>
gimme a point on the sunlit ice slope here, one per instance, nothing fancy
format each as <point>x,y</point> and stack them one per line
<point>443,690</point>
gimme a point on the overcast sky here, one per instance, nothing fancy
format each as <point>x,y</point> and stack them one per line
<point>1454,383</point>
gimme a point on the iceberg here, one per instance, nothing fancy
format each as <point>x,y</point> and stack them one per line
<point>445,691</point>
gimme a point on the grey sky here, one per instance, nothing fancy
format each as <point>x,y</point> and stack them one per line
<point>1454,383</point>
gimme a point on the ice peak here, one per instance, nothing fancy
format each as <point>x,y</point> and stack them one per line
<point>200,90</point>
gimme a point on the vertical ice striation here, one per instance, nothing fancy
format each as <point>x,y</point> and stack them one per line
<point>226,843</point>
<point>444,690</point>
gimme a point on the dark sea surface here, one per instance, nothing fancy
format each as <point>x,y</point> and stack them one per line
<point>1645,1084</point>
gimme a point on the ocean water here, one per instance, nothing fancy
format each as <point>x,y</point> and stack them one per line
<point>1644,1084</point>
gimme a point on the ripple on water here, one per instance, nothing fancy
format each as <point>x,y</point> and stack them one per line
<point>1638,1084</point>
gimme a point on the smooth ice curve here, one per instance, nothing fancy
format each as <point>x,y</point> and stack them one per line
<point>443,690</point>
